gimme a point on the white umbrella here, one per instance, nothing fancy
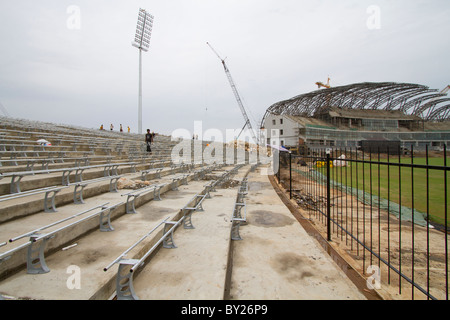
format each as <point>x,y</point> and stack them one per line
<point>43,142</point>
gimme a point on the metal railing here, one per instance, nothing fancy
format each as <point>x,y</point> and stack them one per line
<point>124,281</point>
<point>389,211</point>
<point>39,237</point>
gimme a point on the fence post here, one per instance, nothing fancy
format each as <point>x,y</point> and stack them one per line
<point>290,175</point>
<point>328,198</point>
<point>279,165</point>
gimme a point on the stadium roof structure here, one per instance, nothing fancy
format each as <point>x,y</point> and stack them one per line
<point>411,99</point>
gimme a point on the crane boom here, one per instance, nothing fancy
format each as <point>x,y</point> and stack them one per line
<point>236,94</point>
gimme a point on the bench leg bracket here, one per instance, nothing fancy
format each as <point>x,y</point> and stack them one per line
<point>124,281</point>
<point>187,223</point>
<point>50,207</point>
<point>35,257</point>
<point>235,230</point>
<point>130,203</point>
<point>78,194</point>
<point>113,184</point>
<point>105,221</point>
<point>168,242</point>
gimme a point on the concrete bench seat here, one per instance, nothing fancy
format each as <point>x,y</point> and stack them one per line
<point>110,169</point>
<point>155,171</point>
<point>80,186</point>
<point>131,196</point>
<point>196,203</point>
<point>46,161</point>
<point>124,283</point>
<point>128,267</point>
<point>20,147</point>
<point>15,156</point>
<point>177,179</point>
<point>36,247</point>
<point>49,199</point>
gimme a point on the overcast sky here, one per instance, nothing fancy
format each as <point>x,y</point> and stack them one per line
<point>72,62</point>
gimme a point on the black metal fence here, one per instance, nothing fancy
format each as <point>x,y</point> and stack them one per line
<point>388,212</point>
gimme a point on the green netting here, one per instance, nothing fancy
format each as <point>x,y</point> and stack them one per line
<point>366,198</point>
<point>320,126</point>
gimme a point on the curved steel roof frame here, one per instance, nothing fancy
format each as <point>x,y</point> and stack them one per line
<point>412,99</point>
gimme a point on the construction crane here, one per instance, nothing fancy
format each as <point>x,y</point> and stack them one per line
<point>320,84</point>
<point>3,109</point>
<point>445,89</point>
<point>238,98</point>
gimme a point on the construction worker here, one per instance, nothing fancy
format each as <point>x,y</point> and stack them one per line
<point>148,140</point>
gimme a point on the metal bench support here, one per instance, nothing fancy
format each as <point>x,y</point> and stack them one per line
<point>65,177</point>
<point>35,256</point>
<point>78,193</point>
<point>49,204</point>
<point>168,242</point>
<point>187,223</point>
<point>15,183</point>
<point>110,170</point>
<point>130,203</point>
<point>105,220</point>
<point>235,230</point>
<point>124,281</point>
<point>79,175</point>
<point>199,206</point>
<point>113,184</point>
<point>174,184</point>
<point>157,193</point>
<point>237,210</point>
<point>158,173</point>
<point>207,190</point>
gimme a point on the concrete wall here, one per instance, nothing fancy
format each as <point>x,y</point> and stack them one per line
<point>288,134</point>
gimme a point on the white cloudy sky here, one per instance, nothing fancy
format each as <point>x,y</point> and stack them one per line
<point>275,49</point>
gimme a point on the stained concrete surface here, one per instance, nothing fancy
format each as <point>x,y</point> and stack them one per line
<point>276,258</point>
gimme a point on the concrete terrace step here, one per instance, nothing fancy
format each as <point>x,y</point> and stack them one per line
<point>96,250</point>
<point>14,208</point>
<point>23,225</point>
<point>277,259</point>
<point>179,274</point>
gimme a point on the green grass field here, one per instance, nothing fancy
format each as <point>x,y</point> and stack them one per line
<point>412,182</point>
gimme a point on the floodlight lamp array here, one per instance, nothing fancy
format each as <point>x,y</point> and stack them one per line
<point>143,30</point>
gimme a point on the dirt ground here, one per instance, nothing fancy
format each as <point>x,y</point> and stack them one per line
<point>418,253</point>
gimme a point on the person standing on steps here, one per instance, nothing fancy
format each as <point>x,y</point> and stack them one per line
<point>148,140</point>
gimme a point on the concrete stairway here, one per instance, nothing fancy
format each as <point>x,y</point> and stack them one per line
<point>82,250</point>
<point>72,239</point>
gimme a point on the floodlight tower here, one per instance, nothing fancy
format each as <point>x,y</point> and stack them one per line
<point>142,42</point>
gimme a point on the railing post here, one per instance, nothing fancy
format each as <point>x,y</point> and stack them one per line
<point>279,166</point>
<point>328,198</point>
